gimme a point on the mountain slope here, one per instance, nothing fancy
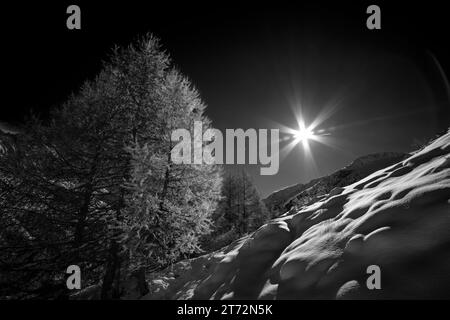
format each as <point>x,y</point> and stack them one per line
<point>302,194</point>
<point>397,218</point>
<point>276,201</point>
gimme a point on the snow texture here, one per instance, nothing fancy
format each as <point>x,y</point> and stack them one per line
<point>397,218</point>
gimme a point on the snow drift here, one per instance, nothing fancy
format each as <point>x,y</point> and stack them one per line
<point>397,218</point>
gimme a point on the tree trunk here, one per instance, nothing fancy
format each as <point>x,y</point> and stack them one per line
<point>111,280</point>
<point>82,215</point>
<point>166,184</point>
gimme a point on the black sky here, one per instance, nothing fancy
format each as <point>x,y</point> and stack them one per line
<point>253,63</point>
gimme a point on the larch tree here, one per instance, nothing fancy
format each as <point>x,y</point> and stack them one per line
<point>95,185</point>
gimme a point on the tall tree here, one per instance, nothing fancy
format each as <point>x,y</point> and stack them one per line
<point>95,186</point>
<point>171,207</point>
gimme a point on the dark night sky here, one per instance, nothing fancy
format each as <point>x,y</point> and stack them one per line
<point>253,64</point>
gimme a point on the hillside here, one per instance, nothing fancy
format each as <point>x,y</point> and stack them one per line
<point>396,218</point>
<point>276,201</point>
<point>299,195</point>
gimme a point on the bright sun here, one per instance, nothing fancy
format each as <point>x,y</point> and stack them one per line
<point>304,134</point>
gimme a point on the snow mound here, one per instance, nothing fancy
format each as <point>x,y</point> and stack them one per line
<point>396,218</point>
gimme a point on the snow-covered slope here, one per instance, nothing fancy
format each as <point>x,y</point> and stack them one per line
<point>397,218</point>
<point>299,195</point>
<point>276,201</point>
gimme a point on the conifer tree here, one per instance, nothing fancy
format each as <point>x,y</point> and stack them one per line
<point>239,212</point>
<point>174,201</point>
<point>95,185</point>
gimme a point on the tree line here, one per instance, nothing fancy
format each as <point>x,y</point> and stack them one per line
<point>239,211</point>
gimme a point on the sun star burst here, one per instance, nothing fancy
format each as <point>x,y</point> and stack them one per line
<point>304,134</point>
